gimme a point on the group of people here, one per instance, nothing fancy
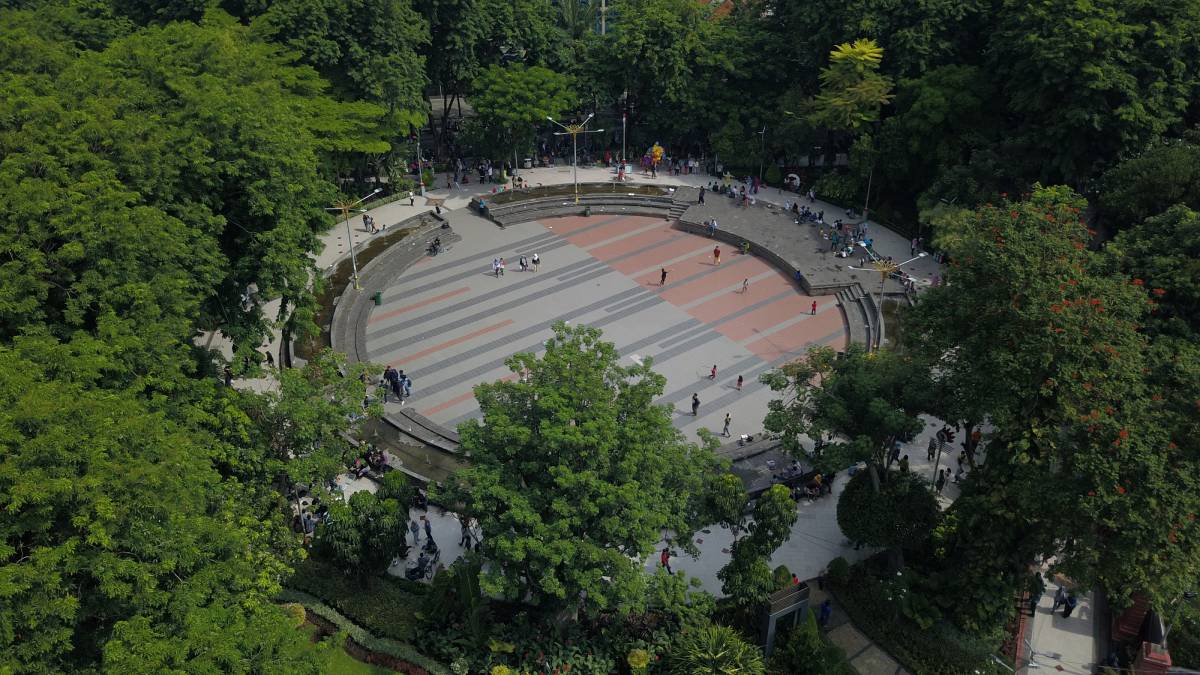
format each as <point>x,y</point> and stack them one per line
<point>396,384</point>
<point>369,224</point>
<point>526,263</point>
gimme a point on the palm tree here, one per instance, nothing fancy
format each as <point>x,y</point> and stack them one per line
<point>715,650</point>
<point>578,17</point>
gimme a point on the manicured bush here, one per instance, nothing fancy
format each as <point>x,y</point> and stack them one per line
<point>382,604</point>
<point>362,636</point>
<point>939,650</point>
<point>838,572</point>
<point>773,176</point>
<point>802,650</point>
<point>837,187</point>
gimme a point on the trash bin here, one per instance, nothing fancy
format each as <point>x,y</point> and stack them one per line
<point>587,211</point>
<point>528,163</point>
<point>378,298</point>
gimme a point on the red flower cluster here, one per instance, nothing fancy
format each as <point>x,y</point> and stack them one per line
<point>1160,291</point>
<point>1138,282</point>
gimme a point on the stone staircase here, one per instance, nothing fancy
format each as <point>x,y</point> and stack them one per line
<point>862,317</point>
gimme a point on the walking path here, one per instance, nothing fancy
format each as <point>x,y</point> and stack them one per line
<point>1055,643</point>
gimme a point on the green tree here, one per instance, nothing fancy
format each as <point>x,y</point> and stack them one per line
<point>865,398</point>
<point>747,577</point>
<point>513,100</point>
<point>727,502</point>
<point>1163,253</point>
<point>900,515</point>
<point>122,547</point>
<point>714,650</point>
<point>365,534</point>
<point>1140,187</point>
<point>1139,58</point>
<point>575,475</point>
<point>1044,336</point>
<point>852,89</point>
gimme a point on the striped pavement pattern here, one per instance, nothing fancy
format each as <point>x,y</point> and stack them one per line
<point>449,323</point>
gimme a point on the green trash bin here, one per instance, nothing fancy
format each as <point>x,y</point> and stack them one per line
<point>378,298</point>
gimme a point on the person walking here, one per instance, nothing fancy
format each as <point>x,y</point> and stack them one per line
<point>701,200</point>
<point>496,267</point>
<point>502,267</point>
<point>664,559</point>
<point>662,277</point>
<point>406,384</point>
<point>695,404</point>
<point>464,534</point>
<point>716,255</point>
<point>814,308</point>
<point>941,480</point>
<point>912,248</point>
<point>825,613</point>
<point>1070,605</point>
<point>524,263</point>
<point>713,375</point>
<point>745,285</point>
<point>536,261</point>
<point>739,383</point>
<point>929,451</point>
<point>728,420</point>
<point>412,200</point>
<point>1060,599</point>
<point>428,528</point>
<point>416,532</point>
<point>904,464</point>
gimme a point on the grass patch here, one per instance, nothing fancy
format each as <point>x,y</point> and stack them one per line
<point>383,605</point>
<point>336,660</point>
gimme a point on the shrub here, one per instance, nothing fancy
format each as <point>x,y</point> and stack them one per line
<point>782,577</point>
<point>838,572</point>
<point>939,650</point>
<point>363,637</point>
<point>714,649</point>
<point>773,176</point>
<point>836,187</point>
<point>382,604</point>
<point>294,611</point>
<point>802,650</point>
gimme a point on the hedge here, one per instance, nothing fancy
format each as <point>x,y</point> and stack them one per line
<point>360,635</point>
<point>941,650</point>
<point>384,605</point>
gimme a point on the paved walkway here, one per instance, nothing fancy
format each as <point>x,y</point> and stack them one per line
<point>1066,645</point>
<point>450,323</point>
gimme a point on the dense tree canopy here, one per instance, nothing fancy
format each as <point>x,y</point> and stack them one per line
<point>576,474</point>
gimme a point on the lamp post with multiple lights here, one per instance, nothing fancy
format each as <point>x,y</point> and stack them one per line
<point>345,206</point>
<point>573,130</point>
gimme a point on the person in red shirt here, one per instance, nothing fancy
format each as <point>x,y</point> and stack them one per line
<point>665,559</point>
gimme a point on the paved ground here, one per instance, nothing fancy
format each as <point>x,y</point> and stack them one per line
<point>1065,645</point>
<point>449,323</point>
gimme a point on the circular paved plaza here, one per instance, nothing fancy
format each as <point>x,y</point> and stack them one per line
<point>449,323</point>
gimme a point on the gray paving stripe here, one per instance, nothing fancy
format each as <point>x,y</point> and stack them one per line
<point>629,311</point>
<point>473,415</point>
<point>700,328</point>
<point>686,346</point>
<point>595,264</point>
<point>547,236</point>
<point>486,298</point>
<point>479,265</point>
<point>509,339</point>
<point>626,303</point>
<point>497,310</point>
<point>711,269</point>
<point>752,384</point>
<point>537,347</point>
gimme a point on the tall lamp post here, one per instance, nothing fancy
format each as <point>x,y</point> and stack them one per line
<point>885,270</point>
<point>573,130</point>
<point>345,206</point>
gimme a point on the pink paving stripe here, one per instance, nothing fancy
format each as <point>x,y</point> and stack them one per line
<point>659,255</point>
<point>611,231</point>
<point>681,268</point>
<point>731,298</point>
<point>791,340</point>
<point>416,305</point>
<point>461,398</point>
<point>567,224</point>
<point>766,318</point>
<point>631,244</point>
<point>724,277</point>
<point>456,341</point>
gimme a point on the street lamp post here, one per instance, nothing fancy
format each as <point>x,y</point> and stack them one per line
<point>344,206</point>
<point>573,130</point>
<point>762,151</point>
<point>885,270</point>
